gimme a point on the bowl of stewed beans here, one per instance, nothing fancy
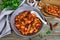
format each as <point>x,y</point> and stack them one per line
<point>26,23</point>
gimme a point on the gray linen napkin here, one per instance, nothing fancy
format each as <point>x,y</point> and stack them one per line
<point>6,26</point>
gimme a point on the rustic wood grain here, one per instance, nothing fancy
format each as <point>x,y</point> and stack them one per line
<point>54,36</point>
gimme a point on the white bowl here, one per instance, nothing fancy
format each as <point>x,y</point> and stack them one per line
<point>19,10</point>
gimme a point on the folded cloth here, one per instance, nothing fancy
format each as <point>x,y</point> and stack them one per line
<point>4,24</point>
<point>6,30</point>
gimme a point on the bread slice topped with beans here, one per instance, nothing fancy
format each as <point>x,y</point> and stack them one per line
<point>51,8</point>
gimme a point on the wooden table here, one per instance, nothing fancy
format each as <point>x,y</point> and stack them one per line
<point>54,36</point>
<point>13,36</point>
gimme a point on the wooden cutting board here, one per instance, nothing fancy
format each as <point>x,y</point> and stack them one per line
<point>56,2</point>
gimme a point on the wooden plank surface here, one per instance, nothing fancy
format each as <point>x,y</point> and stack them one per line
<point>54,36</point>
<point>13,36</point>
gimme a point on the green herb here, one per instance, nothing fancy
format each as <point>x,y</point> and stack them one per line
<point>10,4</point>
<point>40,36</point>
<point>48,32</point>
<point>31,26</point>
<point>30,39</point>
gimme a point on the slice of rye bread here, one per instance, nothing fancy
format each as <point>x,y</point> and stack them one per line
<point>46,13</point>
<point>46,10</point>
<point>54,2</point>
<point>54,14</point>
